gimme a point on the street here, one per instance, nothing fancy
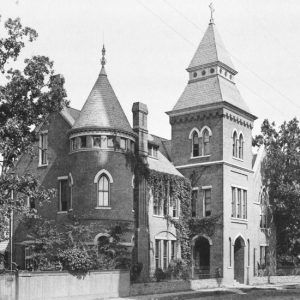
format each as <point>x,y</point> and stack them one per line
<point>290,292</point>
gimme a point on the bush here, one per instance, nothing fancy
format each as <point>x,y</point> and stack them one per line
<point>135,271</point>
<point>76,260</point>
<point>178,269</point>
<point>159,274</point>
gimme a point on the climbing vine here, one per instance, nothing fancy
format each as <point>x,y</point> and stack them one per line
<point>178,189</point>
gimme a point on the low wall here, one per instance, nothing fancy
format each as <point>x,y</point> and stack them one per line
<point>62,285</point>
<point>7,287</point>
<point>275,280</point>
<point>172,286</point>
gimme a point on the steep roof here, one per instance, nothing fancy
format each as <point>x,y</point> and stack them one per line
<point>163,144</point>
<point>211,49</point>
<point>162,164</point>
<point>209,91</point>
<point>212,87</point>
<point>102,108</point>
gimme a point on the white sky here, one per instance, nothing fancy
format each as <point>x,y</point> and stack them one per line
<point>150,43</point>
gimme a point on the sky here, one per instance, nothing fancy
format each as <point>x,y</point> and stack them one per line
<point>149,44</point>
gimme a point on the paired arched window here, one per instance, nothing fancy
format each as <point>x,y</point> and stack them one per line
<point>103,179</point>
<point>200,141</point>
<point>238,145</point>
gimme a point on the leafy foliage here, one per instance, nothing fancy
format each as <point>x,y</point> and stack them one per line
<point>281,178</point>
<point>68,245</point>
<point>27,97</point>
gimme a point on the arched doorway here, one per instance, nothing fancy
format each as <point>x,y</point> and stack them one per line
<point>201,257</point>
<point>239,259</point>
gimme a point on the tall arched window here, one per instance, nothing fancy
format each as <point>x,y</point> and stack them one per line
<point>241,147</point>
<point>103,190</point>
<point>195,144</point>
<point>205,141</point>
<point>235,145</point>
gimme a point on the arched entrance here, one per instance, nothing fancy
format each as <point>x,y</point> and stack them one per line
<point>201,257</point>
<point>239,259</point>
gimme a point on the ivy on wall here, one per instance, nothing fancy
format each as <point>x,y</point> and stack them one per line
<point>179,189</point>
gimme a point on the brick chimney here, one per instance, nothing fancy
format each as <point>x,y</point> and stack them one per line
<point>140,113</point>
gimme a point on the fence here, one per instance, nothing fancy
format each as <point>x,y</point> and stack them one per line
<point>53,285</point>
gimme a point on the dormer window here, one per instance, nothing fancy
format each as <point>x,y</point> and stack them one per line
<point>152,150</point>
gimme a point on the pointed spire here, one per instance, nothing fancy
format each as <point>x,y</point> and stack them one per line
<point>103,61</point>
<point>212,10</point>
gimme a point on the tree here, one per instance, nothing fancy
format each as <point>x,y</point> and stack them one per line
<point>27,97</point>
<point>281,178</point>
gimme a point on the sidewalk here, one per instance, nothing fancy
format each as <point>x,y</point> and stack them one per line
<point>208,292</point>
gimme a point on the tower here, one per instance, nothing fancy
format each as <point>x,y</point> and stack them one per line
<point>99,139</point>
<point>211,145</point>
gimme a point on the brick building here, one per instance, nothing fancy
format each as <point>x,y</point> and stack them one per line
<point>84,155</point>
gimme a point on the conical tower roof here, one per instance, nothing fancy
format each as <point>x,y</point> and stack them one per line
<point>102,110</point>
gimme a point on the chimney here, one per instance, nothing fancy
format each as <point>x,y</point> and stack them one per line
<point>140,112</point>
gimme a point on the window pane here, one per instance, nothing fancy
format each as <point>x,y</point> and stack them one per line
<point>103,141</point>
<point>110,142</point>
<point>157,253</point>
<point>195,144</point>
<point>105,183</point>
<point>100,199</point>
<point>105,198</point>
<point>239,210</point>
<point>64,195</point>
<point>194,202</point>
<point>83,142</point>
<point>233,214</point>
<point>165,254</point>
<point>207,202</point>
<point>123,143</point>
<point>97,141</point>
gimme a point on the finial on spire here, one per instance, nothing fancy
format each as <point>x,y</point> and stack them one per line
<point>212,10</point>
<point>103,60</point>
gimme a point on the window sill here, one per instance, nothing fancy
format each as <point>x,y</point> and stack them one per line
<point>42,166</point>
<point>201,156</point>
<point>238,220</point>
<point>256,203</point>
<point>62,212</point>
<point>103,207</point>
<point>239,159</point>
<point>153,157</point>
<point>159,216</point>
<point>229,267</point>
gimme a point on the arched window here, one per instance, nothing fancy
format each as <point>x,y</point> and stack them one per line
<point>241,147</point>
<point>102,244</point>
<point>235,144</point>
<point>195,144</point>
<point>205,141</point>
<point>103,190</point>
